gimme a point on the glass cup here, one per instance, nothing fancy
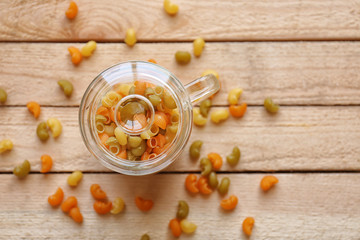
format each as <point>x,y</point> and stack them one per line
<point>128,72</point>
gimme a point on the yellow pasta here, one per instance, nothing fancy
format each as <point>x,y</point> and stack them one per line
<point>88,49</point>
<point>6,145</point>
<point>124,89</point>
<point>120,136</point>
<point>199,120</point>
<point>100,118</point>
<point>109,129</point>
<point>234,95</point>
<point>118,205</point>
<point>111,140</point>
<point>74,179</point>
<point>130,38</point>
<point>219,115</point>
<point>110,99</point>
<point>187,227</point>
<point>210,71</point>
<point>170,8</point>
<point>114,148</point>
<point>55,126</point>
<point>198,45</point>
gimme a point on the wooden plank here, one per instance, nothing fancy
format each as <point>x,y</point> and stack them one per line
<point>301,206</point>
<point>297,138</point>
<point>315,73</point>
<point>229,20</point>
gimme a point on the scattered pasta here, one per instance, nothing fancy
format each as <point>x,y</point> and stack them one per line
<point>268,182</point>
<point>199,120</point>
<point>234,95</point>
<point>183,210</point>
<point>248,225</point>
<point>57,198</point>
<point>75,54</point>
<point>74,178</point>
<point>170,8</point>
<point>72,11</point>
<point>195,148</point>
<point>198,45</point>
<point>230,203</point>
<point>130,38</point>
<point>55,126</point>
<point>187,227</point>
<point>234,157</point>
<point>144,205</point>
<point>182,57</point>
<point>41,131</point>
<point>191,183</point>
<point>203,186</point>
<point>224,186</point>
<point>117,206</point>
<point>76,215</point>
<point>34,108</point>
<point>88,49</point>
<point>66,86</point>
<point>68,204</point>
<point>46,163</point>
<point>175,227</point>
<point>238,110</point>
<point>97,192</point>
<point>6,145</point>
<point>270,106</point>
<point>22,170</point>
<point>219,115</point>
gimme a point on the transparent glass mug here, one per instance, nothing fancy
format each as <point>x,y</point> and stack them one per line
<point>129,72</point>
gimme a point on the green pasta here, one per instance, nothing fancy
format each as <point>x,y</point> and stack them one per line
<point>183,210</point>
<point>195,148</point>
<point>234,157</point>
<point>206,166</point>
<point>224,186</point>
<point>66,86</point>
<point>213,181</point>
<point>134,142</point>
<point>41,131</point>
<point>155,100</point>
<point>205,107</point>
<point>22,170</point>
<point>270,106</point>
<point>149,91</point>
<point>138,151</point>
<point>159,91</point>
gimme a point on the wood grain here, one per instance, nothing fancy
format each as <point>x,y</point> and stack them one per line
<point>300,73</point>
<point>297,138</point>
<point>301,206</point>
<point>219,21</point>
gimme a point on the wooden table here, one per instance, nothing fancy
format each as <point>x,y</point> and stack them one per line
<point>304,54</point>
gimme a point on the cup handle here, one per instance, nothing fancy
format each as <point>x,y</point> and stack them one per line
<point>202,88</point>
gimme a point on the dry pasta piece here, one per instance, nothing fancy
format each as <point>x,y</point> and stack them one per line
<point>75,54</point>
<point>3,95</point>
<point>203,186</point>
<point>216,160</point>
<point>56,199</point>
<point>46,163</point>
<point>34,108</point>
<point>191,183</point>
<point>117,206</point>
<point>187,227</point>
<point>76,215</point>
<point>69,203</point>
<point>160,140</point>
<point>234,95</point>
<point>198,45</point>
<point>268,182</point>
<point>152,142</point>
<point>72,11</point>
<point>160,120</point>
<point>55,126</point>
<point>122,154</point>
<point>175,227</point>
<point>140,87</point>
<point>130,38</point>
<point>6,145</point>
<point>102,207</point>
<point>199,120</point>
<point>248,225</point>
<point>219,115</point>
<point>97,192</point>
<point>238,110</point>
<point>88,49</point>
<point>170,8</point>
<point>22,170</point>
<point>144,204</point>
<point>74,179</point>
<point>230,203</point>
<point>152,155</point>
<point>152,60</point>
<point>270,106</point>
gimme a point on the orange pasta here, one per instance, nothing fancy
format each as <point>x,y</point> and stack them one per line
<point>191,183</point>
<point>72,10</point>
<point>145,156</point>
<point>102,207</point>
<point>68,204</point>
<point>112,114</point>
<point>175,227</point>
<point>160,120</point>
<point>152,142</point>
<point>76,215</point>
<point>152,60</point>
<point>105,112</point>
<point>268,182</point>
<point>140,87</point>
<point>75,54</point>
<point>161,140</point>
<point>215,160</point>
<point>203,186</point>
<point>122,154</point>
<point>97,192</point>
<point>46,163</point>
<point>141,118</point>
<point>148,84</point>
<point>230,203</point>
<point>144,204</point>
<point>248,225</point>
<point>56,199</point>
<point>152,155</point>
<point>34,108</point>
<point>238,110</point>
<point>103,137</point>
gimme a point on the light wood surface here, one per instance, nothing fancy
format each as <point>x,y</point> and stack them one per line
<point>226,20</point>
<point>293,73</point>
<point>288,211</point>
<point>298,138</point>
<point>312,145</point>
